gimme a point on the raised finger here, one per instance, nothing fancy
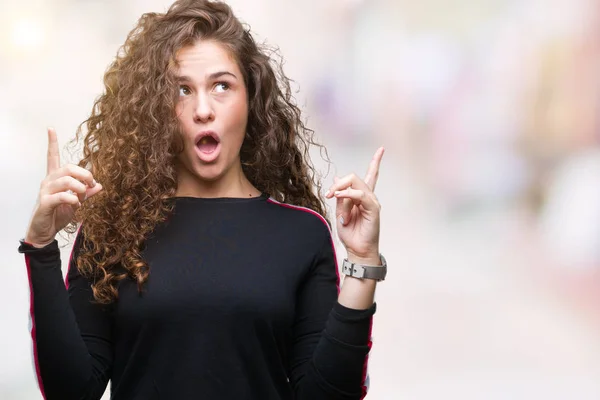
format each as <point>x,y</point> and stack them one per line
<point>373,171</point>
<point>53,162</point>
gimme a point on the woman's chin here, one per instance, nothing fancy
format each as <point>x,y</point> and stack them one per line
<point>209,174</point>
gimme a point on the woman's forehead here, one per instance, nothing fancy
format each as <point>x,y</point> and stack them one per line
<point>204,58</point>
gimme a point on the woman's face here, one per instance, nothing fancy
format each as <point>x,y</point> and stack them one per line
<point>213,113</point>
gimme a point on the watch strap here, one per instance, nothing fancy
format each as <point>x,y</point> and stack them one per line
<point>377,273</point>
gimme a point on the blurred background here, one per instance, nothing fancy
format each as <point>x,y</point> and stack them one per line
<point>490,114</point>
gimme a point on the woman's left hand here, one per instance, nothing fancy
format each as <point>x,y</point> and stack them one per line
<point>357,212</point>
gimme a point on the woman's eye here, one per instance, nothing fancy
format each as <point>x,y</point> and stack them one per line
<point>184,91</point>
<point>222,87</point>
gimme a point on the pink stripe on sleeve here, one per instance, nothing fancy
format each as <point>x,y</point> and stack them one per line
<point>33,330</point>
<point>365,383</point>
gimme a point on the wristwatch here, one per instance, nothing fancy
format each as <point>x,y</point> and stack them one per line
<point>377,273</point>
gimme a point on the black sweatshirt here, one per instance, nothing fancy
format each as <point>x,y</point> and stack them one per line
<point>240,303</point>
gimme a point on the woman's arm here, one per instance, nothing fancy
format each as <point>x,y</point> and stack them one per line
<point>337,368</point>
<point>72,342</point>
<point>357,216</point>
<point>330,340</point>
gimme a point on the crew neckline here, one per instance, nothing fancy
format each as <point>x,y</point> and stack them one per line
<point>190,199</point>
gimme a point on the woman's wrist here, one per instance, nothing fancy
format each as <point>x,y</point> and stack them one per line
<point>36,244</point>
<point>373,259</point>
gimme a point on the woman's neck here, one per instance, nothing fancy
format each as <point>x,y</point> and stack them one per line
<point>234,184</point>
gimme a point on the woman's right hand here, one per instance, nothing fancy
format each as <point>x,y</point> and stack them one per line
<point>61,194</point>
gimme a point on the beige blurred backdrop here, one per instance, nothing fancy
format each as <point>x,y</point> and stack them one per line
<point>490,114</point>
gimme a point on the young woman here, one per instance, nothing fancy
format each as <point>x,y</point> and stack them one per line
<point>203,265</point>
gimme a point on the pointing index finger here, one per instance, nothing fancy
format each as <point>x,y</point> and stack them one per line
<point>53,153</point>
<point>373,171</point>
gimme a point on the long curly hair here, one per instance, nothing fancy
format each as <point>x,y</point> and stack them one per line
<point>133,138</point>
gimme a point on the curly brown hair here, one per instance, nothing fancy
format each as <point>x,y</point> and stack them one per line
<point>133,137</point>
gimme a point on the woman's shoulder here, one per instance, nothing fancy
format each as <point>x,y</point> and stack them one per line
<point>298,217</point>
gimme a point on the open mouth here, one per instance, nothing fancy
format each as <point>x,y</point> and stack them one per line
<point>207,144</point>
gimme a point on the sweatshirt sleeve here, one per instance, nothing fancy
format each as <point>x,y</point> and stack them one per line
<point>72,343</point>
<point>330,342</point>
